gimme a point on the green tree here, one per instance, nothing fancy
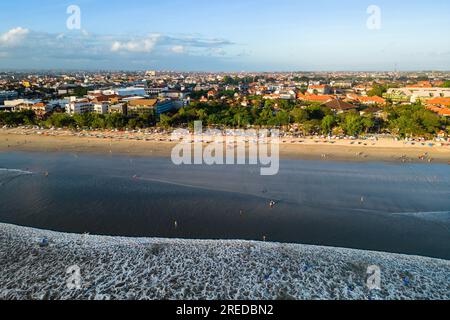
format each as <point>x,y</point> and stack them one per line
<point>281,118</point>
<point>80,91</point>
<point>414,120</point>
<point>116,121</point>
<point>377,90</point>
<point>446,84</point>
<point>311,127</point>
<point>299,115</point>
<point>84,120</point>
<point>266,116</point>
<point>60,120</point>
<point>368,123</point>
<point>328,123</point>
<point>165,121</point>
<point>98,121</point>
<point>352,124</point>
<point>315,112</point>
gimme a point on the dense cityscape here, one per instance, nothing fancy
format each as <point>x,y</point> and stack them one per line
<point>215,158</point>
<point>328,103</point>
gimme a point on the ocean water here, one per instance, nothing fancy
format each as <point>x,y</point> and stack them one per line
<point>400,208</point>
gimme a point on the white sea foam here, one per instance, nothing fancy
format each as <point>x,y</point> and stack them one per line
<point>8,175</point>
<point>143,268</point>
<point>18,171</point>
<point>437,216</point>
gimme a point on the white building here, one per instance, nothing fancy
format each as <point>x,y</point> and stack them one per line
<point>60,102</point>
<point>16,102</point>
<point>79,106</point>
<point>101,108</point>
<point>415,94</point>
<point>429,93</point>
<point>174,94</point>
<point>286,94</point>
<point>320,89</point>
<point>156,90</point>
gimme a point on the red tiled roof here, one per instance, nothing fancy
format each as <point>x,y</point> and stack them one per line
<point>315,98</point>
<point>439,101</point>
<point>322,86</point>
<point>421,84</point>
<point>374,99</point>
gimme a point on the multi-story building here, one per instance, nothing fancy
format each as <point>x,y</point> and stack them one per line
<point>165,106</point>
<point>148,106</point>
<point>319,89</point>
<point>142,106</point>
<point>416,93</point>
<point>422,94</point>
<point>101,107</point>
<point>79,106</point>
<point>152,91</point>
<point>120,108</point>
<point>20,104</point>
<point>41,109</point>
<point>174,94</point>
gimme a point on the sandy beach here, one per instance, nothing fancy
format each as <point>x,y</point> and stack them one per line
<point>160,145</point>
<point>35,262</point>
<point>143,268</point>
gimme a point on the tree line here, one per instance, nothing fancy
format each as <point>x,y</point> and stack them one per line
<point>403,121</point>
<point>85,120</point>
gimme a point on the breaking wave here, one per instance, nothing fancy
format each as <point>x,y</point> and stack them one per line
<point>435,216</point>
<point>18,171</point>
<point>8,175</point>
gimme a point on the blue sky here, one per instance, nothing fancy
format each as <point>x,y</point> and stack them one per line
<point>225,35</point>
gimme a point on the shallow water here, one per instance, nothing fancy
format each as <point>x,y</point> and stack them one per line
<point>401,208</point>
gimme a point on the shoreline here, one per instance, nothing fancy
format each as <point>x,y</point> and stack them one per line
<point>102,143</point>
<point>120,268</point>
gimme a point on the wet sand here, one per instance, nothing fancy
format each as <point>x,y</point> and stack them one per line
<point>161,146</point>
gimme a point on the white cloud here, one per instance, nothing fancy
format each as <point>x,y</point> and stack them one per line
<point>13,36</point>
<point>22,48</point>
<point>146,45</point>
<point>178,49</point>
<point>218,51</point>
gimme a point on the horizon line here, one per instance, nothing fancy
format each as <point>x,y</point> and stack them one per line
<point>219,71</point>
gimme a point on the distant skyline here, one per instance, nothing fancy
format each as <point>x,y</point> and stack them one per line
<point>231,35</point>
